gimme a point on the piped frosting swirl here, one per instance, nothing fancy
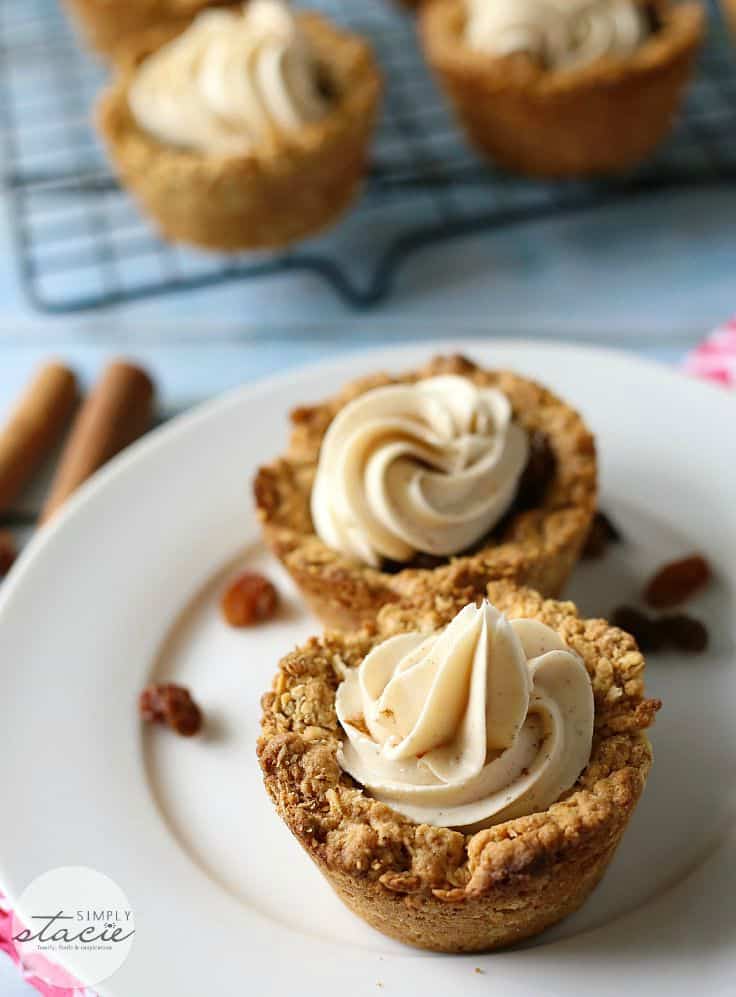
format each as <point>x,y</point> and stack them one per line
<point>560,33</point>
<point>232,82</point>
<point>487,720</point>
<point>429,467</point>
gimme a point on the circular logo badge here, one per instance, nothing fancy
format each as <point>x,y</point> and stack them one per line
<point>73,917</point>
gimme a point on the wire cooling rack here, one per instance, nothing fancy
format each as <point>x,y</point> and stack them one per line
<point>81,243</point>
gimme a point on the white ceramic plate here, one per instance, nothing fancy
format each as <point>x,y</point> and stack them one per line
<point>125,585</point>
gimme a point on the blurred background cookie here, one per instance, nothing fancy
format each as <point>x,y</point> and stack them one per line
<point>563,89</point>
<point>249,130</point>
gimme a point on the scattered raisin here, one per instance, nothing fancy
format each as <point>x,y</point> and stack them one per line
<point>249,599</point>
<point>685,632</point>
<point>652,634</point>
<point>602,533</point>
<point>7,552</point>
<point>539,471</point>
<point>647,631</point>
<point>170,704</point>
<point>677,581</point>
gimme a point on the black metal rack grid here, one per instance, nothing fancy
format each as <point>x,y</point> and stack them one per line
<point>82,244</point>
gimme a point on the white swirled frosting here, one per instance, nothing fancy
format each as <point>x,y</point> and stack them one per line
<point>430,467</point>
<point>487,720</point>
<point>561,33</point>
<point>229,83</point>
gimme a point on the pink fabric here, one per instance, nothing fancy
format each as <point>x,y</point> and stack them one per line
<point>6,936</point>
<point>715,358</point>
<point>7,945</point>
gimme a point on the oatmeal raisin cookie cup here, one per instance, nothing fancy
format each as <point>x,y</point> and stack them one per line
<point>535,538</point>
<point>427,884</point>
<point>107,24</point>
<point>576,119</point>
<point>290,179</point>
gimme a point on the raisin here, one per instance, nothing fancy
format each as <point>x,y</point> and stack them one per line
<point>420,561</point>
<point>539,471</point>
<point>7,552</point>
<point>249,599</point>
<point>602,533</point>
<point>648,632</point>
<point>677,630</point>
<point>171,704</point>
<point>325,84</point>
<point>427,561</point>
<point>653,18</point>
<point>389,567</point>
<point>677,581</point>
<point>685,632</point>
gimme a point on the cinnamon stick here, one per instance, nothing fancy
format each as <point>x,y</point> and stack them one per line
<point>34,426</point>
<point>7,552</point>
<point>117,412</point>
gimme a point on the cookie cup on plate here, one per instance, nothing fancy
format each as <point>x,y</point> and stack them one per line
<point>538,543</point>
<point>604,117</point>
<point>294,187</point>
<point>434,887</point>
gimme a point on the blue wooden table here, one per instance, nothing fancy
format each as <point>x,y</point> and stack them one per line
<point>650,275</point>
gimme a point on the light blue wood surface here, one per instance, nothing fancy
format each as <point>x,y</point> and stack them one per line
<point>656,270</point>
<point>653,276</point>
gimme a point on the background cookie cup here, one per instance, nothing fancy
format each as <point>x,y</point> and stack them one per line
<point>603,117</point>
<point>266,199</point>
<point>107,24</point>
<point>537,546</point>
<point>433,887</point>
